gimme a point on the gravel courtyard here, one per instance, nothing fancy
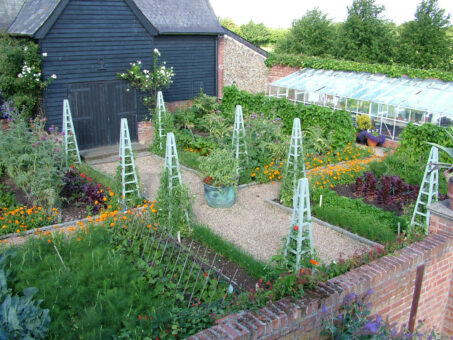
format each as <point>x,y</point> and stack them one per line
<point>250,223</point>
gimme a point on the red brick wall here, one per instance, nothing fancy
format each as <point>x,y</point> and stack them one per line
<point>220,62</point>
<point>280,71</point>
<point>392,279</point>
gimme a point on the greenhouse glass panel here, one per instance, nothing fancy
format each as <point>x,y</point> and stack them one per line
<point>389,98</point>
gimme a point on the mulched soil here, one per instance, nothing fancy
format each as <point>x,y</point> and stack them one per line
<point>228,268</point>
<point>348,190</point>
<point>66,212</point>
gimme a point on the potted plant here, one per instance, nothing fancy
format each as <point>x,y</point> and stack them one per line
<point>219,171</point>
<point>363,122</point>
<point>371,138</point>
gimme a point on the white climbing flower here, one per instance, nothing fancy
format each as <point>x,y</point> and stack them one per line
<point>157,52</point>
<point>53,76</point>
<point>139,62</point>
<point>44,54</point>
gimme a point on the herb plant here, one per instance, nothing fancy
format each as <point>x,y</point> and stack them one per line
<point>219,168</point>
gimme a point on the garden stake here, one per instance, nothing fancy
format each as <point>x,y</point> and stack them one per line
<point>207,277</point>
<point>157,248</point>
<point>154,241</point>
<point>70,139</point>
<point>300,230</point>
<point>198,276</point>
<point>215,290</point>
<point>320,200</point>
<point>160,111</point>
<point>185,263</point>
<point>239,140</point>
<point>146,242</point>
<point>169,258</point>
<point>127,163</point>
<point>179,254</point>
<point>165,249</point>
<point>428,191</point>
<point>231,284</point>
<point>295,166</point>
<point>191,270</point>
<point>59,256</point>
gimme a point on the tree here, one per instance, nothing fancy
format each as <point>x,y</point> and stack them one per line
<point>365,36</point>
<point>313,34</point>
<point>230,24</point>
<point>257,34</point>
<point>424,42</point>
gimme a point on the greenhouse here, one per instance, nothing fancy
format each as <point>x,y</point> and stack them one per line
<point>391,102</point>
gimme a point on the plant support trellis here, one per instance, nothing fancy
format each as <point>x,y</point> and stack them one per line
<point>129,180</point>
<point>300,240</point>
<point>295,165</point>
<point>160,111</point>
<point>428,191</point>
<point>70,140</point>
<point>173,168</point>
<point>239,141</point>
<point>196,281</point>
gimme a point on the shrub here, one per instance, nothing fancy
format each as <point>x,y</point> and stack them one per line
<point>20,74</point>
<point>34,160</point>
<point>393,71</point>
<point>414,138</point>
<point>338,122</point>
<point>363,122</point>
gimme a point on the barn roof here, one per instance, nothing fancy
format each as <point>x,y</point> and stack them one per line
<point>180,16</point>
<point>32,15</point>
<point>168,16</point>
<point>8,11</point>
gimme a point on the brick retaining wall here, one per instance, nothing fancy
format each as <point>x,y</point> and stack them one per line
<point>392,279</point>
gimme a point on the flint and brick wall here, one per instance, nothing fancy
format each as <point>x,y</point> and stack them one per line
<point>241,66</point>
<point>392,279</point>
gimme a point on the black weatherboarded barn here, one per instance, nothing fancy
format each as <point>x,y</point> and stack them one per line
<point>85,43</point>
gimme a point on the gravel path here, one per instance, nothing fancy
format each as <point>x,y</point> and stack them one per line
<point>250,223</point>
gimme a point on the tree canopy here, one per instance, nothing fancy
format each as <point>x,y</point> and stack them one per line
<point>257,34</point>
<point>365,36</point>
<point>424,42</point>
<point>313,34</point>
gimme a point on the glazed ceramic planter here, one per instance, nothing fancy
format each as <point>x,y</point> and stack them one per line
<point>219,197</point>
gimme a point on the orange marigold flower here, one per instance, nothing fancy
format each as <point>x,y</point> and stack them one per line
<point>313,262</point>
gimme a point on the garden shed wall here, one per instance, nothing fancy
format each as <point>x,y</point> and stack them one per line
<point>392,279</point>
<point>88,45</point>
<point>242,64</point>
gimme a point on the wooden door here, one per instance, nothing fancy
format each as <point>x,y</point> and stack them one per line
<point>97,108</point>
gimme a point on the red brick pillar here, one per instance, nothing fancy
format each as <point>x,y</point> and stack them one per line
<point>442,220</point>
<point>220,66</point>
<point>145,132</point>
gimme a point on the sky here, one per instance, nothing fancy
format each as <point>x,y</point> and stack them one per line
<point>281,13</point>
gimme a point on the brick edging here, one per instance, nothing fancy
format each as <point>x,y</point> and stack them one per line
<point>288,316</point>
